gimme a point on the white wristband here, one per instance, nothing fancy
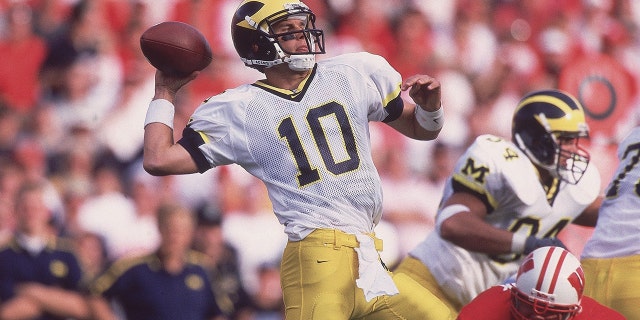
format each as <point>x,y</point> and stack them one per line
<point>517,243</point>
<point>162,111</point>
<point>430,120</point>
<point>448,212</point>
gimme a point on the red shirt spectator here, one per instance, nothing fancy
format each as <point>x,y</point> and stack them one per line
<point>22,55</point>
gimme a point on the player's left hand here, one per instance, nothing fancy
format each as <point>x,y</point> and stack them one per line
<point>424,90</point>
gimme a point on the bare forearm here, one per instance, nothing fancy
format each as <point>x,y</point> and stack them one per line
<point>100,309</point>
<point>463,224</point>
<point>481,238</point>
<point>589,216</point>
<point>60,302</point>
<point>19,308</point>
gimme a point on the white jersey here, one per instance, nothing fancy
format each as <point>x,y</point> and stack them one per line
<point>310,146</point>
<point>505,179</point>
<point>617,233</point>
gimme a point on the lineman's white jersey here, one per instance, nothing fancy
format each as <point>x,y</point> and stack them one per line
<point>311,146</point>
<point>617,233</point>
<point>496,171</point>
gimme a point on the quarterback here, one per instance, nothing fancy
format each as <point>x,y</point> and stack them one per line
<point>507,198</point>
<point>303,131</point>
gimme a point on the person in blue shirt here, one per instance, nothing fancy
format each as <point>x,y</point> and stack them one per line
<point>40,276</point>
<point>170,283</point>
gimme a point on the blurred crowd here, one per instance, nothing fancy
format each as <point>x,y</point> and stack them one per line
<point>74,89</point>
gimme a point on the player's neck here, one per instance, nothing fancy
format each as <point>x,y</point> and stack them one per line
<point>545,177</point>
<point>280,76</point>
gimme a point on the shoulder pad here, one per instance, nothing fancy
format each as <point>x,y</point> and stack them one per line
<point>364,62</point>
<point>510,163</point>
<point>587,190</point>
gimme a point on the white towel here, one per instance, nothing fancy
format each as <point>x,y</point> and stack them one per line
<point>373,279</point>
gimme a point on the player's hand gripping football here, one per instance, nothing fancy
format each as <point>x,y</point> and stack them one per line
<point>424,90</point>
<point>167,85</point>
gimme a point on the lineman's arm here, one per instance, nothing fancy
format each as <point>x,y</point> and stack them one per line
<point>589,216</point>
<point>162,156</point>
<point>467,229</point>
<point>427,122</point>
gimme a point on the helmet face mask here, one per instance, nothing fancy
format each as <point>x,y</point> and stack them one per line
<point>523,307</point>
<point>259,45</point>
<point>549,286</point>
<point>547,126</point>
<point>572,162</point>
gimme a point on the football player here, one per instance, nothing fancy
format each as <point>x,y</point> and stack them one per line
<point>549,286</point>
<point>611,257</point>
<point>303,130</point>
<point>507,198</point>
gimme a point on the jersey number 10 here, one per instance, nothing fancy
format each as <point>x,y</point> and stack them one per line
<point>307,173</point>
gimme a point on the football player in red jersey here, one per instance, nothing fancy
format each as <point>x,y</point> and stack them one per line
<point>549,286</point>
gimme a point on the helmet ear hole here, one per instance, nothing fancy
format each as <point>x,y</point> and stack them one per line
<point>545,148</point>
<point>265,49</point>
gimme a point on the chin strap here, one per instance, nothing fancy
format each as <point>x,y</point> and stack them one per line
<point>301,62</point>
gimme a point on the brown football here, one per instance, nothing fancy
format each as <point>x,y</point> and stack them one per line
<point>175,48</point>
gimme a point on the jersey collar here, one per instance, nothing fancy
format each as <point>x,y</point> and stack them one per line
<point>296,94</point>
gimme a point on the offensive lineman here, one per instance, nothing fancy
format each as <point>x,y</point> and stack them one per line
<point>505,199</point>
<point>611,257</point>
<point>303,130</point>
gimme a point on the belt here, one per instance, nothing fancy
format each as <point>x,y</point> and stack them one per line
<point>338,239</point>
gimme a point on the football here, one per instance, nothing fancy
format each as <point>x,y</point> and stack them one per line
<point>175,48</point>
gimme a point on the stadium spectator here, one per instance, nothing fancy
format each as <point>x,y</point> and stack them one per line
<point>412,50</point>
<point>267,300</point>
<point>406,207</point>
<point>170,283</point>
<point>252,230</point>
<point>32,158</point>
<point>222,264</point>
<point>82,73</point>
<point>22,55</point>
<point>40,277</point>
<point>112,214</point>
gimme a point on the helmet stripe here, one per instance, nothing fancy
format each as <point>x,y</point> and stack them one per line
<point>560,103</point>
<point>574,119</point>
<point>543,271</point>
<point>554,280</point>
